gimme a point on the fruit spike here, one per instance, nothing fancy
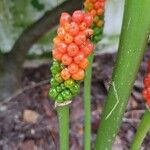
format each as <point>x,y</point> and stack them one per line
<point>146,90</point>
<point>96,9</point>
<point>72,46</point>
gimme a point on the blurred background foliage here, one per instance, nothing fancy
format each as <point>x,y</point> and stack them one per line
<point>16,15</point>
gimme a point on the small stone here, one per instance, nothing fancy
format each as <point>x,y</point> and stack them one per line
<point>30,116</point>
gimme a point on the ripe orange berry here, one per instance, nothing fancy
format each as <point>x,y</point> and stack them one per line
<point>93,12</point>
<point>102,5</point>
<point>73,68</point>
<point>79,58</point>
<point>146,95</point>
<point>65,74</point>
<point>88,19</point>
<point>56,40</point>
<point>56,54</point>
<point>80,39</point>
<point>90,45</point>
<point>100,11</point>
<point>86,50</point>
<point>66,26</point>
<point>65,17</point>
<point>61,32</point>
<point>88,32</point>
<point>72,49</point>
<point>84,63</point>
<point>62,47</point>
<point>147,80</point>
<point>78,16</point>
<point>66,59</point>
<point>79,75</point>
<point>68,38</point>
<point>74,28</point>
<point>82,26</point>
<point>97,5</point>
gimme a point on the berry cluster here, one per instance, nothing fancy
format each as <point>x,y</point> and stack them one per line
<point>146,90</point>
<point>72,46</point>
<point>96,9</point>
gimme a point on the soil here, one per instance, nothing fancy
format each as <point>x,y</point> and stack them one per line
<point>40,131</point>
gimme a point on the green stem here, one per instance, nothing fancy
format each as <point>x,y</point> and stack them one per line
<point>142,130</point>
<point>135,30</point>
<point>63,117</point>
<point>87,105</point>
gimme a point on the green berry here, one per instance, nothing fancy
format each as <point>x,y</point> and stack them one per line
<point>63,86</point>
<point>97,31</point>
<point>69,83</point>
<point>97,38</point>
<point>58,78</point>
<point>75,89</point>
<point>55,70</point>
<point>53,93</point>
<point>58,89</point>
<point>56,63</point>
<point>54,82</point>
<point>67,95</point>
<point>59,98</point>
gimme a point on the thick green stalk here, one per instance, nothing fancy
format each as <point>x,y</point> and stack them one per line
<point>63,117</point>
<point>142,130</point>
<point>135,30</point>
<point>87,105</point>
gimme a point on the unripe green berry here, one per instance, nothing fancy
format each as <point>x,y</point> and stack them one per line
<point>67,95</point>
<point>58,78</point>
<point>75,89</point>
<point>59,98</point>
<point>69,83</point>
<point>53,93</point>
<point>53,82</point>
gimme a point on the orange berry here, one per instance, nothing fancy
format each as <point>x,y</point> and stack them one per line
<point>74,28</point>
<point>61,32</point>
<point>79,75</point>
<point>66,59</point>
<point>100,12</point>
<point>79,58</point>
<point>65,17</point>
<point>66,26</point>
<point>102,5</point>
<point>73,68</point>
<point>88,19</point>
<point>68,38</point>
<point>80,39</point>
<point>56,40</point>
<point>88,32</point>
<point>65,74</point>
<point>93,12</point>
<point>72,49</point>
<point>78,16</point>
<point>86,50</point>
<point>97,5</point>
<point>84,63</point>
<point>56,54</point>
<point>62,47</point>
<point>82,26</point>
